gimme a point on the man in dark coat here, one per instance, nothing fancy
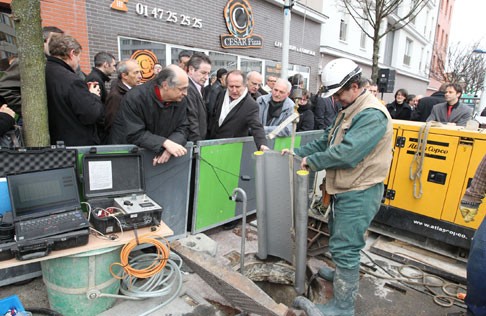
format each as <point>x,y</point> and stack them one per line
<point>104,67</point>
<point>10,81</point>
<point>236,113</point>
<point>306,116</point>
<point>198,70</point>
<point>425,105</point>
<point>129,76</point>
<point>218,86</point>
<point>325,111</point>
<point>153,116</point>
<point>254,82</point>
<point>73,108</point>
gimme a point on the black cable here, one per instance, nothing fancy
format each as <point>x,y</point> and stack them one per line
<point>43,311</point>
<point>213,167</point>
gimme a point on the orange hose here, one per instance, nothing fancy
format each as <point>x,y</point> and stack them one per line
<point>163,252</point>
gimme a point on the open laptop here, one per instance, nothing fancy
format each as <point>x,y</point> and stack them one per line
<point>45,203</point>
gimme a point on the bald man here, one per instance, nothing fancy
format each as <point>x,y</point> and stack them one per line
<point>254,81</point>
<point>153,115</point>
<point>129,76</point>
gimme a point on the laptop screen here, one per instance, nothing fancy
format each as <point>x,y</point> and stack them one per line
<point>40,193</point>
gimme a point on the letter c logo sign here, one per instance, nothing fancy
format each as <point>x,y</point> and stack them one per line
<point>239,18</point>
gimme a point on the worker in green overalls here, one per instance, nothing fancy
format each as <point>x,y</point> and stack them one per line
<point>356,152</point>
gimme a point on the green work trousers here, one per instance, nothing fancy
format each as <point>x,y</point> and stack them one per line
<point>351,215</point>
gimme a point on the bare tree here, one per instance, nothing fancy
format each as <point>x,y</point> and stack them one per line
<point>394,14</point>
<point>26,14</point>
<point>460,65</point>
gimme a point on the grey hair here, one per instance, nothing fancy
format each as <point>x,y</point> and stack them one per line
<point>286,82</point>
<point>122,67</point>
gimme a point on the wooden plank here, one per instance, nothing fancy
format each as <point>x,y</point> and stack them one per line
<point>94,243</point>
<point>234,287</point>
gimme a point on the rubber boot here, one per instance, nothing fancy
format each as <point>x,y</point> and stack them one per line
<point>326,273</point>
<point>346,282</point>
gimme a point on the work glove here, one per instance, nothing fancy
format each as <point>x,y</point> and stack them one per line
<point>468,212</point>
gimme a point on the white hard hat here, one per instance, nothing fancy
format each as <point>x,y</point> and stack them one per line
<point>336,73</point>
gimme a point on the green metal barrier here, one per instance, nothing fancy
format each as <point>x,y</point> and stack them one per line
<point>221,166</point>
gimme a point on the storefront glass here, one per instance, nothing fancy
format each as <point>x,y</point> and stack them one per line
<point>128,46</point>
<point>219,60</point>
<point>247,65</point>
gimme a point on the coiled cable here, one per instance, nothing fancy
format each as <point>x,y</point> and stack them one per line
<point>143,271</point>
<point>149,275</point>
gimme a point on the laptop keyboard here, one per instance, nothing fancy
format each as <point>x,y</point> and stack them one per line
<point>51,225</point>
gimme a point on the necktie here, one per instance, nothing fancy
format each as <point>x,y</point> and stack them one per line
<point>449,110</point>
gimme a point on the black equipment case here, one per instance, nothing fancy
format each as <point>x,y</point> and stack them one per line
<point>14,161</point>
<point>121,178</point>
<point>17,161</point>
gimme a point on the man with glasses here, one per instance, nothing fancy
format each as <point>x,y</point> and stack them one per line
<point>153,116</point>
<point>253,83</point>
<point>269,85</point>
<point>74,108</point>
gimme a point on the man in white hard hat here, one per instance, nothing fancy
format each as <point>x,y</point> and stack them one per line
<point>356,152</point>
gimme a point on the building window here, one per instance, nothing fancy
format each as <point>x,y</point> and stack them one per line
<point>414,15</point>
<point>128,46</point>
<point>343,30</point>
<point>247,65</point>
<point>220,60</point>
<point>421,59</point>
<point>174,53</point>
<point>408,52</point>
<point>426,22</point>
<point>362,41</point>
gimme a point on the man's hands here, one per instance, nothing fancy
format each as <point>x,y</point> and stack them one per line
<point>163,158</point>
<point>171,149</point>
<point>174,148</point>
<point>303,163</point>
<point>286,151</point>
<point>264,148</point>
<point>5,109</point>
<point>468,212</point>
<point>94,88</point>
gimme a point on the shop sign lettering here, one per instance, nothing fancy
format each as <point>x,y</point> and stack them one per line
<point>239,20</point>
<point>160,14</point>
<point>296,49</point>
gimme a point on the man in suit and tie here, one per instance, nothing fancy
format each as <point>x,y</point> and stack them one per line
<point>198,70</point>
<point>451,111</point>
<point>236,113</point>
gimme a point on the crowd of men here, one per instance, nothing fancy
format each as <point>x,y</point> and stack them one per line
<point>82,111</point>
<point>177,106</point>
<point>164,113</point>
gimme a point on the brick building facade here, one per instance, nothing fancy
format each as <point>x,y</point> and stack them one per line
<point>166,27</point>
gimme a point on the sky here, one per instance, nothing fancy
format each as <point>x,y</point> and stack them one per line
<point>468,22</point>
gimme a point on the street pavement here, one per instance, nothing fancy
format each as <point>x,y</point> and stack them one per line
<point>377,297</point>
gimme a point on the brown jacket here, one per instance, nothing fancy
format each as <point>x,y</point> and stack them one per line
<point>375,166</point>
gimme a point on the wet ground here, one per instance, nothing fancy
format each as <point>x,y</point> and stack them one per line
<point>378,296</point>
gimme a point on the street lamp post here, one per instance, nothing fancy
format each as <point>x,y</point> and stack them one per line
<point>482,103</point>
